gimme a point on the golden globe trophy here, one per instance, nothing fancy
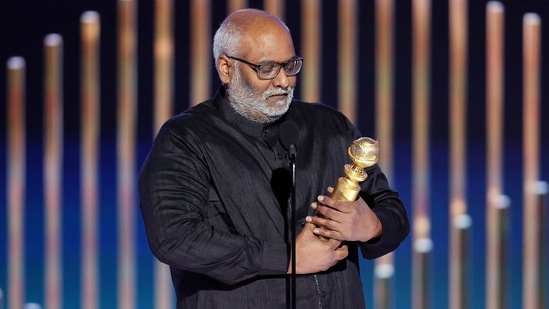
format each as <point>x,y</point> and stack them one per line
<point>364,152</point>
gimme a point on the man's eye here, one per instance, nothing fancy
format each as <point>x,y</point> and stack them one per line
<point>290,65</point>
<point>267,67</point>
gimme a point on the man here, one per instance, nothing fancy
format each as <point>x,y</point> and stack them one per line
<point>216,184</point>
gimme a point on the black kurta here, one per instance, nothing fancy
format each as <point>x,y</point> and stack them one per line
<point>214,198</point>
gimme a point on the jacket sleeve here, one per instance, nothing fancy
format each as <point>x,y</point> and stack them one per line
<point>385,203</point>
<point>173,188</point>
<point>389,209</point>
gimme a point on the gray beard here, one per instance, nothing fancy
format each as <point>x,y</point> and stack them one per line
<point>253,105</point>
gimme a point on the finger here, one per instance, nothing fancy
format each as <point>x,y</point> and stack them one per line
<point>324,217</point>
<point>329,212</point>
<point>328,221</point>
<point>324,200</point>
<point>342,252</point>
<point>330,202</point>
<point>339,206</point>
<point>326,233</point>
<point>309,226</point>
<point>319,221</point>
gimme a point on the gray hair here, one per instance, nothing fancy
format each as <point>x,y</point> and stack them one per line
<point>226,39</point>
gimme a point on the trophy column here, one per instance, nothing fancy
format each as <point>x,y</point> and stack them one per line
<point>364,152</point>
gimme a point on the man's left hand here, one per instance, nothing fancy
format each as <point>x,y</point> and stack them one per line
<point>344,220</point>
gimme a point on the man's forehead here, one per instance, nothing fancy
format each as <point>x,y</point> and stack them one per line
<point>267,46</point>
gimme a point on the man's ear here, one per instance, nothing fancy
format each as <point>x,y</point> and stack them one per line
<point>224,69</point>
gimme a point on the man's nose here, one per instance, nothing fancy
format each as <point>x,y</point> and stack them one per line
<point>281,80</point>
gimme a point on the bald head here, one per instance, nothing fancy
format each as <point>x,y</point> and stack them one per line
<point>249,29</point>
<point>249,18</point>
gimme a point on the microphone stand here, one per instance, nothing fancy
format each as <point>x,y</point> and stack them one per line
<point>293,154</point>
<point>289,136</point>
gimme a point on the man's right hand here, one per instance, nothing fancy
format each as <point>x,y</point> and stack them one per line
<point>314,255</point>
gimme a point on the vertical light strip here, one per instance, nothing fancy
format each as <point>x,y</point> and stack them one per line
<point>235,5</point>
<point>422,243</point>
<point>501,214</point>
<point>531,135</point>
<point>495,268</point>
<point>53,159</point>
<point>200,51</point>
<point>90,29</point>
<point>542,192</point>
<point>163,62</point>
<point>458,139</point>
<point>459,247</point>
<point>275,7</point>
<point>384,81</point>
<point>15,178</point>
<point>347,50</point>
<point>421,89</point>
<point>384,19</point>
<point>126,126</point>
<point>458,108</point>
<point>311,27</point>
<point>163,103</point>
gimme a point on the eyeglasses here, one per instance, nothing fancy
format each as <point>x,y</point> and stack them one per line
<point>270,69</point>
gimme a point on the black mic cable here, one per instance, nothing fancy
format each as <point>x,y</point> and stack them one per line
<point>289,136</point>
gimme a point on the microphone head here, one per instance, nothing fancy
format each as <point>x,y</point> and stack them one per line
<point>289,134</point>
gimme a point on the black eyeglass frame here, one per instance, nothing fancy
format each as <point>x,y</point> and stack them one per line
<point>256,67</point>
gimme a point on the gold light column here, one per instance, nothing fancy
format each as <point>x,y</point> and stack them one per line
<point>163,62</point>
<point>16,168</point>
<point>90,29</point>
<point>53,162</point>
<point>460,228</point>
<point>422,243</point>
<point>200,51</point>
<point>163,104</point>
<point>542,192</point>
<point>496,215</point>
<point>347,50</point>
<point>126,127</point>
<point>458,218</point>
<point>311,50</point>
<point>501,220</point>
<point>458,108</point>
<point>531,137</point>
<point>275,7</point>
<point>384,19</point>
<point>235,5</point>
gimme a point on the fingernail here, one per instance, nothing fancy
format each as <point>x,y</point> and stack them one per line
<point>313,205</point>
<point>320,198</point>
<point>308,219</point>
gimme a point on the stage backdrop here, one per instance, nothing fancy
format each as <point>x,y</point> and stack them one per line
<point>79,110</point>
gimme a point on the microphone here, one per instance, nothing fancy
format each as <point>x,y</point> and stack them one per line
<point>289,136</point>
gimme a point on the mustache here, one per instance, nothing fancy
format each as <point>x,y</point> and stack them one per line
<point>270,93</point>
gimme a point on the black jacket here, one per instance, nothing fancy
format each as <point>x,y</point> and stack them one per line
<point>214,192</point>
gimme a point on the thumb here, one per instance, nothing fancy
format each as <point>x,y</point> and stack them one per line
<point>342,252</point>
